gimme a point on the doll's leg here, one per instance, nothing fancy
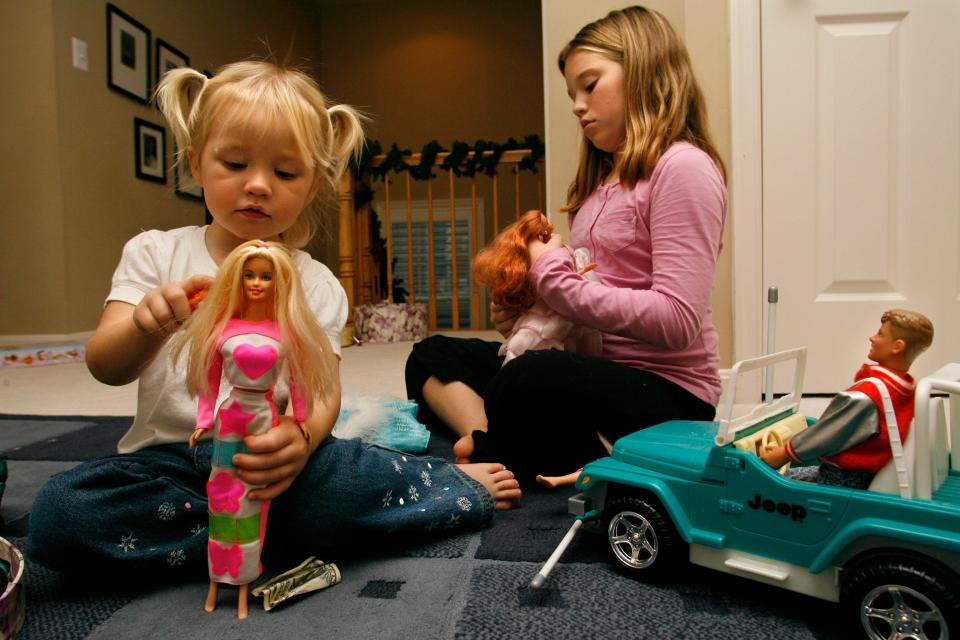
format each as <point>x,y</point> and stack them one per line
<point>211,602</point>
<point>140,512</point>
<point>242,601</point>
<point>555,482</point>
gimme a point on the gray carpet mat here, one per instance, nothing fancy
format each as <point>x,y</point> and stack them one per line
<point>471,586</point>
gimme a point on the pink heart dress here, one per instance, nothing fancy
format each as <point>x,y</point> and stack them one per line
<point>249,356</point>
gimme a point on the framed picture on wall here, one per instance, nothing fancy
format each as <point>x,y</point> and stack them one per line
<point>128,55</point>
<point>168,57</point>
<point>150,147</point>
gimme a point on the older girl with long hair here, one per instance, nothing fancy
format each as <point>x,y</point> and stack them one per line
<point>649,203</point>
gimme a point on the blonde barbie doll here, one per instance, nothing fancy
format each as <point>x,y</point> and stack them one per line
<point>253,329</point>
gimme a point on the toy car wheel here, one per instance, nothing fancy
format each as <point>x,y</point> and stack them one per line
<point>641,537</point>
<point>902,597</point>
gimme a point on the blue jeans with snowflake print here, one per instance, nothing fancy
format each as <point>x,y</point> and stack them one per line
<point>147,511</point>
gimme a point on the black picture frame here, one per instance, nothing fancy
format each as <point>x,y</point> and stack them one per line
<point>150,151</point>
<point>128,55</point>
<point>167,57</point>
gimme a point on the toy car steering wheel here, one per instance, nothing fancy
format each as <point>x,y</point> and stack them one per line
<point>772,437</point>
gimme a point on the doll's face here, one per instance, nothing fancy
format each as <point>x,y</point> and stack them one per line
<point>258,279</point>
<point>884,344</point>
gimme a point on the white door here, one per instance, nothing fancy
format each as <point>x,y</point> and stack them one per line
<point>861,175</point>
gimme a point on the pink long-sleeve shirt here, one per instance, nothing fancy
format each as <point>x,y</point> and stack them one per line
<point>656,247</point>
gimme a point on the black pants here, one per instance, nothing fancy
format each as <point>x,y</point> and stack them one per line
<point>544,409</point>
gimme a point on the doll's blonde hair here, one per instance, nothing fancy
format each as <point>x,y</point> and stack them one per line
<point>327,136</point>
<point>662,99</point>
<point>914,328</point>
<point>308,356</point>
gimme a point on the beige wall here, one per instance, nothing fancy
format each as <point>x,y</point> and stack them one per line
<point>704,27</point>
<point>70,195</point>
<point>30,199</point>
<point>435,69</point>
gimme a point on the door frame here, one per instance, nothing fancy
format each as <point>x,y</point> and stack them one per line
<point>746,187</point>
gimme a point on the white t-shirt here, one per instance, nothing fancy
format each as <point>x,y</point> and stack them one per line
<point>165,411</point>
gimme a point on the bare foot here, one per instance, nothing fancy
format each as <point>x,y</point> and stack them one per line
<point>496,479</point>
<point>463,449</point>
<point>554,482</point>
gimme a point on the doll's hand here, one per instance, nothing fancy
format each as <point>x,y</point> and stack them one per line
<point>164,309</point>
<point>275,460</point>
<point>503,318</point>
<point>537,248</point>
<point>775,455</point>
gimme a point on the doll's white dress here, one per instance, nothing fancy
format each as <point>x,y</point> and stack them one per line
<point>249,357</point>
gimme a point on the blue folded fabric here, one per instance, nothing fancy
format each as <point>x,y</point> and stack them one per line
<point>384,421</point>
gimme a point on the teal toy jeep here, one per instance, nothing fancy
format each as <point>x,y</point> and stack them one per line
<point>698,492</point>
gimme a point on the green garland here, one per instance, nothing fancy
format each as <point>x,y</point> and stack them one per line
<point>459,159</point>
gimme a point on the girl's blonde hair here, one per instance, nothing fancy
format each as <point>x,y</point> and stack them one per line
<point>309,358</point>
<point>663,102</point>
<point>327,136</point>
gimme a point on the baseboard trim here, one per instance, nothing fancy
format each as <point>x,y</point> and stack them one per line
<point>39,340</point>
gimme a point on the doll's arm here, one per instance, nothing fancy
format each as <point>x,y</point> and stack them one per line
<point>297,402</point>
<point>849,419</point>
<point>208,401</point>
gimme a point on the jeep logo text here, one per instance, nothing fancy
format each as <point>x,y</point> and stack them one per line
<point>796,512</point>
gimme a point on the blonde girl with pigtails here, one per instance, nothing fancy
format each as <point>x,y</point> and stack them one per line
<point>263,142</point>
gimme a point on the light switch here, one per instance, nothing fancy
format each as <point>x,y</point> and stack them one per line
<point>80,54</point>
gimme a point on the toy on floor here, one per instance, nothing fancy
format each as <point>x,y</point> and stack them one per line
<point>253,329</point>
<point>853,438</point>
<point>688,491</point>
<point>502,267</point>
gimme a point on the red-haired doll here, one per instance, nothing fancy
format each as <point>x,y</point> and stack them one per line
<point>502,267</point>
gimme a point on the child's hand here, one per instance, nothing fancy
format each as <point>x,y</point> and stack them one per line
<point>503,318</point>
<point>537,248</point>
<point>275,460</point>
<point>164,309</point>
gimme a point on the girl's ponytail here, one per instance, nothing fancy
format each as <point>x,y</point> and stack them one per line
<point>346,140</point>
<point>178,95</point>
